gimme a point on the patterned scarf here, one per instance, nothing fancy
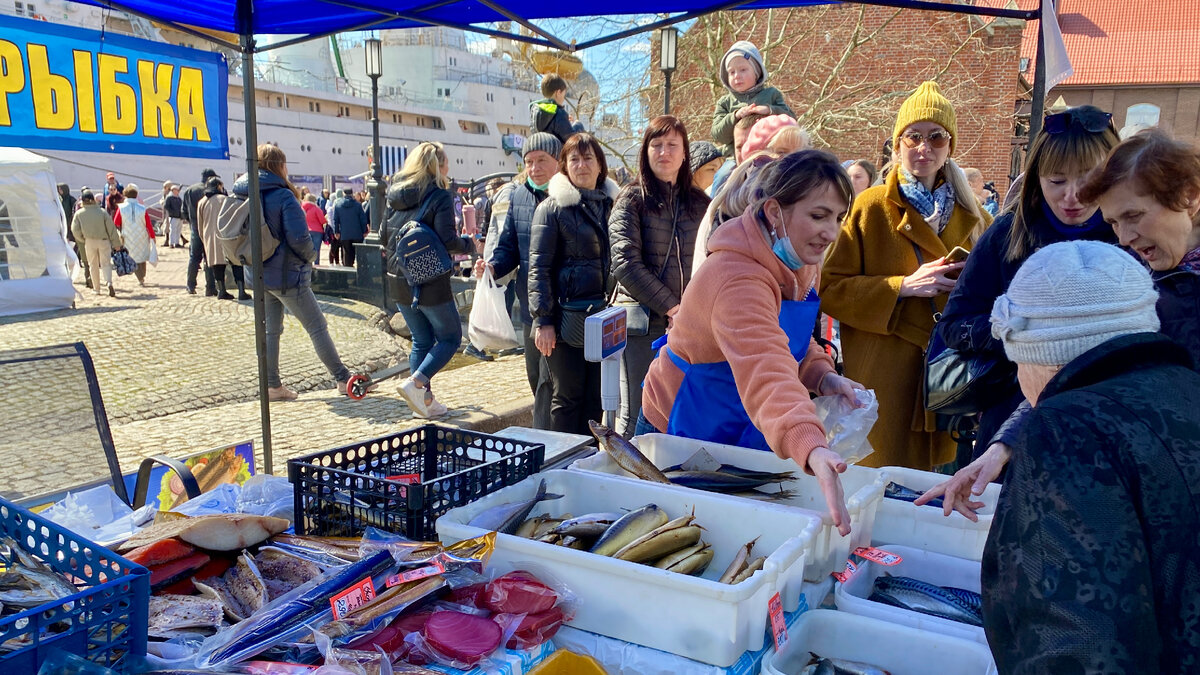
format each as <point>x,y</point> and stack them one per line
<point>935,207</point>
<point>1191,261</point>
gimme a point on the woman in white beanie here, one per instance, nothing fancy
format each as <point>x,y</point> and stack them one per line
<point>1091,565</point>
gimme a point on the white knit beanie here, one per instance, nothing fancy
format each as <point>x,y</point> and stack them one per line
<point>1070,297</point>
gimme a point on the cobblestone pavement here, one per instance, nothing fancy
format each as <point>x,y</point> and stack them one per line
<point>178,374</point>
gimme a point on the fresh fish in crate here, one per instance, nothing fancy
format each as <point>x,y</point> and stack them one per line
<point>718,481</point>
<point>821,665</point>
<point>927,598</point>
<point>665,540</point>
<point>691,560</point>
<point>506,518</point>
<point>626,455</point>
<point>907,494</point>
<point>591,525</point>
<point>739,563</point>
<point>631,526</point>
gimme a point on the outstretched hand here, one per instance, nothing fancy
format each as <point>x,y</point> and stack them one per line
<point>970,481</point>
<point>826,464</point>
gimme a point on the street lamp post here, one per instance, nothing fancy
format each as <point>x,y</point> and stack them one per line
<point>374,61</point>
<point>669,38</point>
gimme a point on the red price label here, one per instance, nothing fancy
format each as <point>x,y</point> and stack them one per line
<point>878,556</point>
<point>406,478</point>
<point>352,598</point>
<point>778,625</point>
<point>851,568</point>
<point>419,573</point>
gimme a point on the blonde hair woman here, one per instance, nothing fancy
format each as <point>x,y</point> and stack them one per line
<point>419,192</point>
<point>887,275</point>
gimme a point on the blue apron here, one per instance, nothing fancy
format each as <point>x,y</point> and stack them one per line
<point>708,406</point>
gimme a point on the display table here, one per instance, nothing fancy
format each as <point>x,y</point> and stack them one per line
<point>623,658</point>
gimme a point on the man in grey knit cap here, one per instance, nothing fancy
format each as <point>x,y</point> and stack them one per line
<point>1090,564</point>
<point>511,252</point>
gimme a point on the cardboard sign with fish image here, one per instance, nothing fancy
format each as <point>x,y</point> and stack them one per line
<point>233,463</point>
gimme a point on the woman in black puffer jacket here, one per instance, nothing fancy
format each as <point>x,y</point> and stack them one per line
<point>419,192</point>
<point>653,236</point>
<point>568,278</point>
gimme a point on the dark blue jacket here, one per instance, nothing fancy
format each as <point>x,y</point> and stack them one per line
<point>1179,308</point>
<point>291,264</point>
<point>349,219</point>
<point>512,247</point>
<point>966,324</point>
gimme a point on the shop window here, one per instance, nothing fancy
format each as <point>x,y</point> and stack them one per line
<point>1142,115</point>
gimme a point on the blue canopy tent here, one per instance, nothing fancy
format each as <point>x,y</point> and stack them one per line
<point>312,19</point>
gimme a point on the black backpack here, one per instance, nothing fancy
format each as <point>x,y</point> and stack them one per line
<point>417,252</point>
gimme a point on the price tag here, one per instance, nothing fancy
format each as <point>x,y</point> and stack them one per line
<point>778,625</point>
<point>878,556</point>
<point>415,574</point>
<point>851,568</point>
<point>406,478</point>
<point>352,598</point>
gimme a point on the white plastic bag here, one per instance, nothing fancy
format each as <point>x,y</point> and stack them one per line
<point>489,326</point>
<point>846,428</point>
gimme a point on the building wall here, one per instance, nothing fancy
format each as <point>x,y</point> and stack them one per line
<point>1179,106</point>
<point>975,65</point>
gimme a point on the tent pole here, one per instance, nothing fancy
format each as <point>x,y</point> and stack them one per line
<point>1037,106</point>
<point>256,245</point>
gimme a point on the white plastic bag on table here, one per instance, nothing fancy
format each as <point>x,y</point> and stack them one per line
<point>98,514</point>
<point>846,428</point>
<point>489,325</point>
<point>267,495</point>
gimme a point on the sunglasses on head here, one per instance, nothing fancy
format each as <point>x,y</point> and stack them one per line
<point>1091,120</point>
<point>936,139</point>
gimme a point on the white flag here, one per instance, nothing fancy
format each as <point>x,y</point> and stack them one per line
<point>1058,64</point>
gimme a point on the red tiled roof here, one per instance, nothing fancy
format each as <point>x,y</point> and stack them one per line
<point>1123,41</point>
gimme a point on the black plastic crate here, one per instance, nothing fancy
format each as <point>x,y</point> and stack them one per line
<point>343,491</point>
<point>102,622</point>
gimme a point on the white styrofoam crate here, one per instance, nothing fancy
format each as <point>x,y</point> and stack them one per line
<point>927,527</point>
<point>694,617</point>
<point>900,650</point>
<point>935,568</point>
<point>862,486</point>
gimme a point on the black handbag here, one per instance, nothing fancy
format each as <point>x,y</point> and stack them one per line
<point>572,317</point>
<point>958,383</point>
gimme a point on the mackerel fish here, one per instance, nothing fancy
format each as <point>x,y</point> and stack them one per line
<point>506,518</point>
<point>631,526</point>
<point>926,598</point>
<point>821,665</point>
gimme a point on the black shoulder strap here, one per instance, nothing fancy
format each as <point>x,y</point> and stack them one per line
<point>937,316</point>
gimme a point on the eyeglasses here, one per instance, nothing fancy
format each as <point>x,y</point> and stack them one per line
<point>1091,120</point>
<point>936,139</point>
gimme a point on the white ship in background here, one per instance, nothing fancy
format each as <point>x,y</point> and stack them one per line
<point>436,86</point>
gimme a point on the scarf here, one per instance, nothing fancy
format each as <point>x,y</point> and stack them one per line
<point>1191,261</point>
<point>935,207</point>
<point>1075,232</point>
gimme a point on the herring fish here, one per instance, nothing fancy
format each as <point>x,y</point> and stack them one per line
<point>821,665</point>
<point>718,481</point>
<point>588,525</point>
<point>626,455</point>
<point>907,494</point>
<point>742,473</point>
<point>738,564</point>
<point>631,526</point>
<point>506,518</point>
<point>926,598</point>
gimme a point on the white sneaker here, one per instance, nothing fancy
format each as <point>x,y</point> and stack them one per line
<point>436,409</point>
<point>414,396</point>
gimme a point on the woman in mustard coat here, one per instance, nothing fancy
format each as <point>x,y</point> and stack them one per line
<point>886,276</point>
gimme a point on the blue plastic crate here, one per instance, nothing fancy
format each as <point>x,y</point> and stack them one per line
<point>105,620</point>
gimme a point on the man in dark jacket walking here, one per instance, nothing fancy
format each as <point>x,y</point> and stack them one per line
<point>173,210</point>
<point>191,198</point>
<point>350,223</point>
<point>1090,565</point>
<point>512,253</point>
<point>68,207</point>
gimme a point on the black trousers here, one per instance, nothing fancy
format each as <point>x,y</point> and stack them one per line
<point>575,383</point>
<point>538,374</point>
<point>348,251</point>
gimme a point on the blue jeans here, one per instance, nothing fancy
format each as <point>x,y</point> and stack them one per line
<point>436,337</point>
<point>644,426</point>
<point>317,237</point>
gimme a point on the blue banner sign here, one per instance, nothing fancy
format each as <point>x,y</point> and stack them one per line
<point>68,88</point>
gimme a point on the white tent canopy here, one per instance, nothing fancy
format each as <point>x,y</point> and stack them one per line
<point>36,262</point>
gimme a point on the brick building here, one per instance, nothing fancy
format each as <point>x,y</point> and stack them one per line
<point>845,69</point>
<point>1139,61</point>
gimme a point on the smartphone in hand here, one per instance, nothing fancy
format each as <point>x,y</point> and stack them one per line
<point>957,254</point>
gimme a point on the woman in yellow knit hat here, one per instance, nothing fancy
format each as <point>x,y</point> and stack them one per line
<point>887,274</point>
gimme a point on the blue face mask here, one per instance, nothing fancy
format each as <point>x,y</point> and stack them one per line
<point>784,250</point>
<point>535,186</point>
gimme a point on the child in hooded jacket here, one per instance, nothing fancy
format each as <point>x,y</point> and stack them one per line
<point>743,75</point>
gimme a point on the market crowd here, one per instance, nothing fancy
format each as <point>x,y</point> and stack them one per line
<point>1075,309</point>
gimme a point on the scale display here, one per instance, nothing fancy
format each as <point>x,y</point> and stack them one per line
<point>605,334</point>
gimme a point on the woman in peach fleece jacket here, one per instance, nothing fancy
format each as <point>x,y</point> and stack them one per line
<point>727,372</point>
